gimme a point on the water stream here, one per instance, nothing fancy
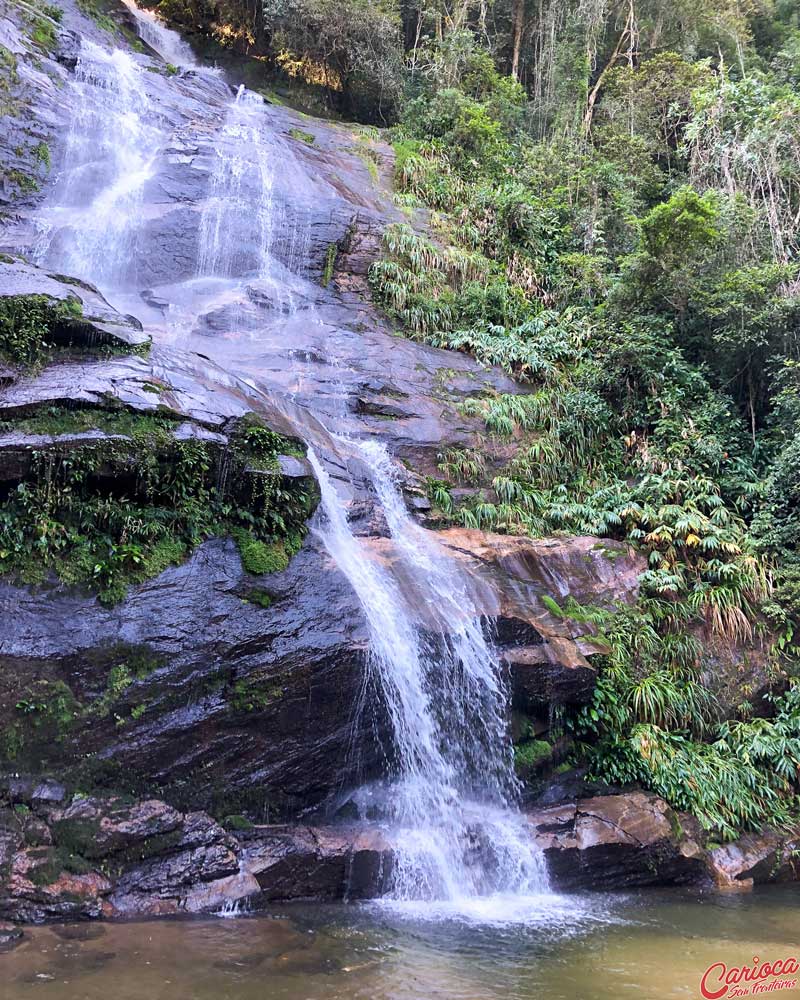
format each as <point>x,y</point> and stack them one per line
<point>449,801</point>
<point>161,39</point>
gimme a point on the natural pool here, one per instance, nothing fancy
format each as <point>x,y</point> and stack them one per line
<point>648,945</point>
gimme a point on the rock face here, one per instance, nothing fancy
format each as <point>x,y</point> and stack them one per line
<point>757,858</point>
<point>547,655</point>
<point>106,857</point>
<point>241,696</point>
<point>617,842</point>
<point>113,858</point>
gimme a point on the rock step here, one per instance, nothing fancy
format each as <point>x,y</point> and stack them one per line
<point>108,857</point>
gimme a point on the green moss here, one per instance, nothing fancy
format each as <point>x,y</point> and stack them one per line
<point>12,741</point>
<point>46,709</point>
<point>259,557</point>
<point>527,755</point>
<point>254,695</point>
<point>330,264</point>
<point>152,431</point>
<point>44,35</point>
<point>150,847</point>
<point>8,68</point>
<point>41,154</point>
<point>259,597</point>
<point>56,861</point>
<point>125,665</point>
<point>166,497</point>
<point>369,157</point>
<point>77,836</point>
<point>306,137</point>
<point>99,12</point>
<point>25,182</point>
<point>237,822</point>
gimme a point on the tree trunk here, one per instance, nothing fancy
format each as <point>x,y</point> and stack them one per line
<point>628,33</point>
<point>518,20</point>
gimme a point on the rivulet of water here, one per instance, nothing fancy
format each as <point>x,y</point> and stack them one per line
<point>238,216</point>
<point>460,843</point>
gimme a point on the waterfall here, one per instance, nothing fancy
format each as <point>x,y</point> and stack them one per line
<point>237,221</point>
<point>459,840</point>
<point>90,227</point>
<point>161,39</point>
<point>450,798</point>
<point>242,214</point>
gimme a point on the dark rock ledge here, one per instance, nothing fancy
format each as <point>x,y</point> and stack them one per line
<point>114,858</point>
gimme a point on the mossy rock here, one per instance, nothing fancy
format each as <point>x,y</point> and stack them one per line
<point>260,558</point>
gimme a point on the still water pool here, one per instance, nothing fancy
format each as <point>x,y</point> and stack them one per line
<point>649,945</point>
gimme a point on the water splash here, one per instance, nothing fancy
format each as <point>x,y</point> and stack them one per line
<point>233,908</point>
<point>459,840</point>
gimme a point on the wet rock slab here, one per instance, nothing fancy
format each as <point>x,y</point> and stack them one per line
<point>322,863</point>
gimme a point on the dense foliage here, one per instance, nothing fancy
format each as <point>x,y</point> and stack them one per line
<point>127,504</point>
<point>617,224</point>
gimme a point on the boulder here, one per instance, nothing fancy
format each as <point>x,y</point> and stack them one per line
<point>10,935</point>
<point>756,858</point>
<point>617,842</point>
<point>88,322</point>
<point>38,889</point>
<point>322,863</point>
<point>171,876</point>
<point>97,828</point>
<point>224,895</point>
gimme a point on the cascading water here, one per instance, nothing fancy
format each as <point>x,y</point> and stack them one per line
<point>457,836</point>
<point>450,800</point>
<point>161,39</point>
<point>90,227</point>
<point>237,221</point>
